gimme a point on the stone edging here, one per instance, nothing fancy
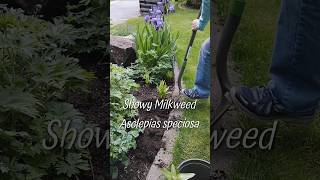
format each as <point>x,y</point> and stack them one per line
<point>164,156</point>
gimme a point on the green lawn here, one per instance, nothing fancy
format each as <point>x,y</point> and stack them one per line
<point>296,151</point>
<point>191,143</point>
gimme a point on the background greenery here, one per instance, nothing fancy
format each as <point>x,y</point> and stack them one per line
<point>37,69</point>
<point>296,150</point>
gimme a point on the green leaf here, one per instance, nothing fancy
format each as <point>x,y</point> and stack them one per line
<point>15,100</point>
<point>72,165</point>
<point>186,176</point>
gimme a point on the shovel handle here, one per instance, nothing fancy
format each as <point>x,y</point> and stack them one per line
<point>229,30</point>
<point>184,63</point>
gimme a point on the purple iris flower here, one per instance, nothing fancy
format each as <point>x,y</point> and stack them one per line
<point>154,21</point>
<point>154,8</point>
<point>158,12</point>
<point>147,18</point>
<point>171,8</point>
<point>155,16</point>
<point>159,24</point>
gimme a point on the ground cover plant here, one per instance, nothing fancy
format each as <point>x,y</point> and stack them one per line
<point>189,140</point>
<point>295,152</point>
<point>121,139</point>
<point>37,72</point>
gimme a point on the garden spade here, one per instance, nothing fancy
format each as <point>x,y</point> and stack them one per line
<point>186,56</point>
<point>230,27</point>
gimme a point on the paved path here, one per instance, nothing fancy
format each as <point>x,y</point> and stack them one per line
<point>122,10</point>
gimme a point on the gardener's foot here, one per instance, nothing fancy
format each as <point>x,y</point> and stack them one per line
<point>193,94</point>
<point>259,103</point>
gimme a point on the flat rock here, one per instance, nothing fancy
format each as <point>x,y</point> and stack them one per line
<point>122,50</point>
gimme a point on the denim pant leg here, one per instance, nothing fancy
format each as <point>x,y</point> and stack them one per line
<point>295,68</point>
<point>202,83</point>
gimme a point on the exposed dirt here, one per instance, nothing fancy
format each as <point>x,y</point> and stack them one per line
<point>149,142</point>
<point>95,109</point>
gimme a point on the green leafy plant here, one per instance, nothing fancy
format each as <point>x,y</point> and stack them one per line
<point>122,86</point>
<point>162,89</point>
<point>156,51</point>
<point>90,18</point>
<point>72,164</point>
<point>147,79</point>
<point>121,138</point>
<point>35,74</point>
<point>173,174</point>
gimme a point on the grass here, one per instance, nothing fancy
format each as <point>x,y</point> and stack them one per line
<point>296,151</point>
<point>191,143</point>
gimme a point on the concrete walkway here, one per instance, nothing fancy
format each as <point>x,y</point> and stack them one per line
<point>122,10</point>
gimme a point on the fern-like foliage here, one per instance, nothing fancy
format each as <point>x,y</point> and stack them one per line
<point>16,101</point>
<point>72,164</point>
<point>36,71</point>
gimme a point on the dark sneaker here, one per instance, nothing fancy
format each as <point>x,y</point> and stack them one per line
<point>259,103</point>
<point>192,94</point>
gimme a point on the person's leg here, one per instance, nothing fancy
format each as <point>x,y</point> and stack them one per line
<point>202,82</point>
<point>294,89</point>
<point>295,69</point>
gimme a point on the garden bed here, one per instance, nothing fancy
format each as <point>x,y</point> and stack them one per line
<point>150,141</point>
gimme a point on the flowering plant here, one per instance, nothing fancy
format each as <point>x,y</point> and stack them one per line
<point>156,13</point>
<point>156,50</point>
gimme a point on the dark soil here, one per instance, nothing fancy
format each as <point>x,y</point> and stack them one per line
<point>149,142</point>
<point>95,109</point>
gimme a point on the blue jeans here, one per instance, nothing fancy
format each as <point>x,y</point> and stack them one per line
<point>295,68</point>
<point>202,83</point>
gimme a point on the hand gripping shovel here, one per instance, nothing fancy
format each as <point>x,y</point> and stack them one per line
<point>186,56</point>
<point>230,27</point>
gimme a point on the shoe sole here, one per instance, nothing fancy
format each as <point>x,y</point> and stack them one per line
<point>305,120</point>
